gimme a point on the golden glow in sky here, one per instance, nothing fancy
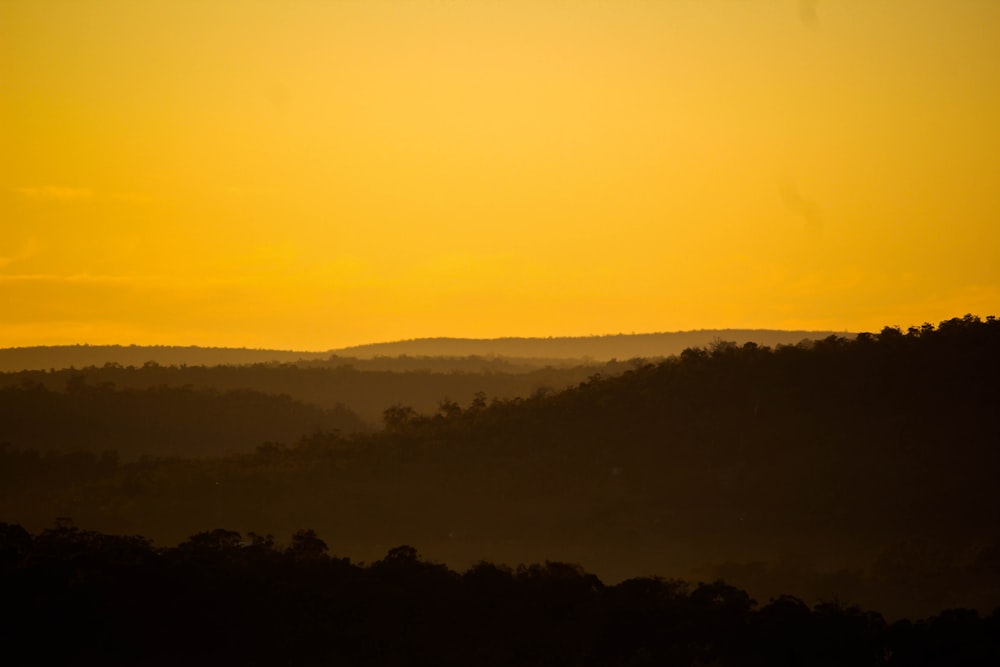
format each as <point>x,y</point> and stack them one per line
<point>312,174</point>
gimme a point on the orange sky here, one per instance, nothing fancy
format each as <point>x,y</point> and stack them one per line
<point>312,174</point>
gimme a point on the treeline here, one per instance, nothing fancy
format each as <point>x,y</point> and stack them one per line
<point>65,356</point>
<point>157,421</point>
<point>536,352</point>
<point>863,470</point>
<point>80,597</point>
<point>364,387</point>
<point>601,348</point>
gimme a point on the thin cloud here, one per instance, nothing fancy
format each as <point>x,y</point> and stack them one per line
<point>132,197</point>
<point>66,193</point>
<point>74,278</point>
<point>57,192</point>
<point>807,209</point>
<point>252,192</point>
<point>173,283</point>
<point>807,12</point>
<point>27,251</point>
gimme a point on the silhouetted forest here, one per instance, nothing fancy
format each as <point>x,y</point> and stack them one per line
<point>533,352</point>
<point>367,383</point>
<point>364,387</point>
<point>601,348</point>
<point>81,597</point>
<point>66,356</point>
<point>158,421</point>
<point>862,470</point>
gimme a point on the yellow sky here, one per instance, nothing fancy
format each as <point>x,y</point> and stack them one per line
<point>311,174</point>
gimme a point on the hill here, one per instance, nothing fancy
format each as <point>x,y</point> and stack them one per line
<point>861,470</point>
<point>156,421</point>
<point>224,597</point>
<point>594,348</point>
<point>366,387</point>
<point>78,356</point>
<point>522,352</point>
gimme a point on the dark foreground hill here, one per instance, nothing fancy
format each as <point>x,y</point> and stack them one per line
<point>861,470</point>
<point>85,598</point>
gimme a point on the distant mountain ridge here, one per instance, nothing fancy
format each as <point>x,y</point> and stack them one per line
<point>596,348</point>
<point>543,350</point>
<point>81,356</point>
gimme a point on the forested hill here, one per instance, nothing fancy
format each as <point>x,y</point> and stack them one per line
<point>597,348</point>
<point>221,597</point>
<point>80,356</point>
<point>525,352</point>
<point>862,470</point>
<point>367,388</point>
<point>157,421</point>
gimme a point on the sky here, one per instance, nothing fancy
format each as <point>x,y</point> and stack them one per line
<point>306,174</point>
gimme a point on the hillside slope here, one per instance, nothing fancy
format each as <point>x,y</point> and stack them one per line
<point>860,470</point>
<point>596,348</point>
<point>525,350</point>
